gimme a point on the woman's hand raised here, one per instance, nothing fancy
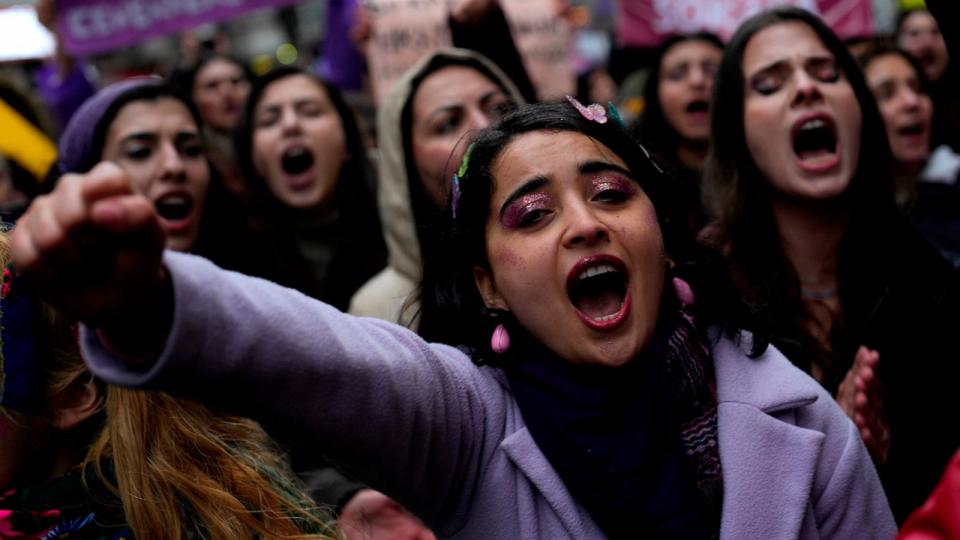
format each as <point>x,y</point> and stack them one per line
<point>859,397</point>
<point>93,248</point>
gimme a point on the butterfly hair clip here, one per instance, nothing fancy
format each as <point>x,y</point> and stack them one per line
<point>593,112</point>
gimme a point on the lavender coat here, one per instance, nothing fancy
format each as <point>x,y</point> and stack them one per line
<point>420,422</point>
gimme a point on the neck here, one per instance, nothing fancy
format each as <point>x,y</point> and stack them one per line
<point>908,170</point>
<point>811,238</point>
<point>692,154</point>
<point>905,175</point>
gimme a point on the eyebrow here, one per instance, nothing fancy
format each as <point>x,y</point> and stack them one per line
<point>781,64</point>
<point>271,107</point>
<point>484,99</point>
<point>488,97</point>
<point>149,136</point>
<point>140,136</point>
<point>593,167</point>
<point>537,182</point>
<point>441,110</point>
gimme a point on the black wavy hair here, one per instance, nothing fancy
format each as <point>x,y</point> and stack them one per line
<point>354,195</point>
<point>905,188</point>
<point>736,193</point>
<point>453,311</point>
<point>426,217</point>
<point>883,48</point>
<point>902,17</point>
<point>357,168</point>
<point>222,222</point>
<point>653,129</point>
<point>184,79</point>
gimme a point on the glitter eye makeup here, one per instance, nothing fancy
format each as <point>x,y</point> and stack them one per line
<point>613,187</point>
<point>526,210</point>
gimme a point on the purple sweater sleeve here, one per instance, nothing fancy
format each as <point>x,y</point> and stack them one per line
<point>407,416</point>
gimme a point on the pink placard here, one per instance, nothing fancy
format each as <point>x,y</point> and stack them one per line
<point>404,31</point>
<point>96,26</point>
<point>543,40</point>
<point>644,23</point>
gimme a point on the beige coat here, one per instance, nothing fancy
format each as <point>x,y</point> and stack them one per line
<point>390,295</point>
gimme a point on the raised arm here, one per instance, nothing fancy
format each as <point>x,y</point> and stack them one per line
<point>370,394</point>
<point>407,416</point>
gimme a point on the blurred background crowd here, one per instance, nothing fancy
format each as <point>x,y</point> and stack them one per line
<point>312,143</point>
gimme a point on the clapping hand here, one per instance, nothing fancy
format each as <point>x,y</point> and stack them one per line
<point>859,397</point>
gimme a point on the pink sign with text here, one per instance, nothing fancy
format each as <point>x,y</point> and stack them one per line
<point>644,23</point>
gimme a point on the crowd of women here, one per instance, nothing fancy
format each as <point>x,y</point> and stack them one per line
<point>734,319</point>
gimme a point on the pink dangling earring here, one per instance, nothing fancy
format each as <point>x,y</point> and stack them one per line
<point>684,292</point>
<point>500,340</point>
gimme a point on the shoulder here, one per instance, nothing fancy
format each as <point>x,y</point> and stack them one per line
<point>769,382</point>
<point>383,295</point>
<point>774,386</point>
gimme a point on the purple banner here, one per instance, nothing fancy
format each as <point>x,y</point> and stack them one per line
<point>95,26</point>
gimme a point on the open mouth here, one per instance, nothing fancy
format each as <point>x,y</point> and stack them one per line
<point>912,129</point>
<point>597,287</point>
<point>296,160</point>
<point>174,207</point>
<point>815,141</point>
<point>698,106</point>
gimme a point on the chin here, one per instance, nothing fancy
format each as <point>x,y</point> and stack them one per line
<point>181,243</point>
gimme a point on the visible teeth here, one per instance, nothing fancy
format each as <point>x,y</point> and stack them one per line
<point>813,124</point>
<point>609,317</point>
<point>174,199</point>
<point>596,271</point>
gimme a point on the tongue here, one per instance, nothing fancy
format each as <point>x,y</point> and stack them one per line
<point>600,304</point>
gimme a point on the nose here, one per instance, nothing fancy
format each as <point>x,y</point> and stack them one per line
<point>806,89</point>
<point>909,99</point>
<point>289,120</point>
<point>172,163</point>
<point>478,119</point>
<point>698,77</point>
<point>584,227</point>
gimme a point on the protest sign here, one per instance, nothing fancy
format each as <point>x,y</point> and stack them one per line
<point>97,26</point>
<point>543,40</point>
<point>404,31</point>
<point>644,23</point>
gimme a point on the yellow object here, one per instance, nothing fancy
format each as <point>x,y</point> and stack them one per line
<point>907,5</point>
<point>287,54</point>
<point>24,143</point>
<point>261,64</point>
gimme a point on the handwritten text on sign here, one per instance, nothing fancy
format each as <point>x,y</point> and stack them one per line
<point>404,31</point>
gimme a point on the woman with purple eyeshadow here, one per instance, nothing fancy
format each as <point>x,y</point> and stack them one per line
<point>606,384</point>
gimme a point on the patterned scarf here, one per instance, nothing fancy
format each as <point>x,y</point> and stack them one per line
<point>77,505</point>
<point>695,402</point>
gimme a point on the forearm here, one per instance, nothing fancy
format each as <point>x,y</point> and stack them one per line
<point>365,392</point>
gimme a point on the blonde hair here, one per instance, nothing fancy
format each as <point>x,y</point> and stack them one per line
<point>180,469</point>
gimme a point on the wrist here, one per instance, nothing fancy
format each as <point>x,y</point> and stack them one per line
<point>138,334</point>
